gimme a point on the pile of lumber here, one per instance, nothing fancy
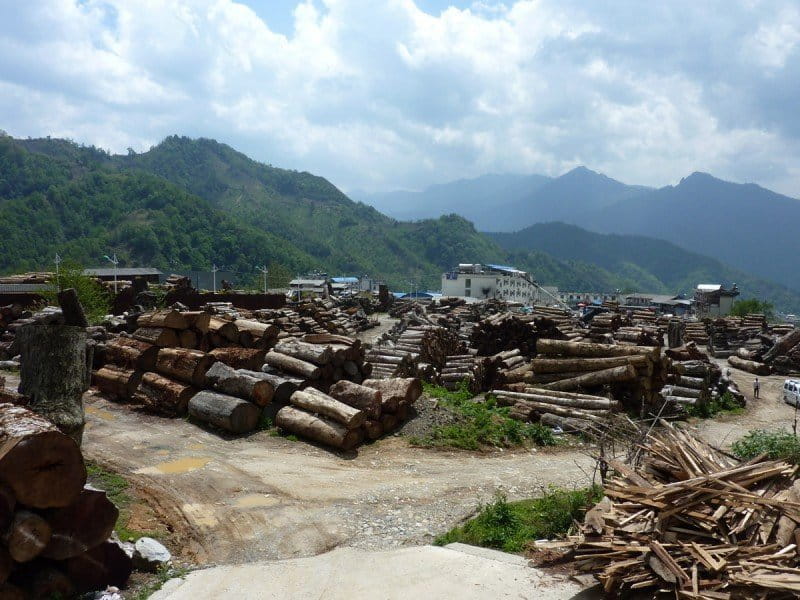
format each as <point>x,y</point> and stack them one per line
<point>512,331</point>
<point>316,316</point>
<point>56,528</point>
<point>687,521</point>
<point>572,412</point>
<point>350,413</point>
<point>696,332</point>
<point>633,374</point>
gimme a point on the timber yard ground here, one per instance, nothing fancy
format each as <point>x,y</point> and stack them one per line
<point>239,500</point>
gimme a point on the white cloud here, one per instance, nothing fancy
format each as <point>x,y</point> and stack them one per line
<point>380,95</point>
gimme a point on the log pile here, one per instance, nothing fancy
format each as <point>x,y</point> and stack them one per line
<point>512,331</point>
<point>640,335</point>
<point>57,528</point>
<point>690,522</point>
<point>350,413</point>
<point>603,325</point>
<point>696,332</point>
<point>572,412</point>
<point>783,355</point>
<point>464,367</point>
<point>633,374</point>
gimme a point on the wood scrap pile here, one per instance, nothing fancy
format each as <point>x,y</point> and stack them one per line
<point>350,413</point>
<point>572,412</point>
<point>633,374</point>
<point>686,521</point>
<point>56,528</point>
<point>696,332</point>
<point>510,331</point>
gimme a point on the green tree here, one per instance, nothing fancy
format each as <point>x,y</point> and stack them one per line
<point>278,276</point>
<point>94,298</point>
<point>753,305</point>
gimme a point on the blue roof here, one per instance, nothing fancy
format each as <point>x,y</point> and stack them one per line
<point>502,267</point>
<point>344,279</point>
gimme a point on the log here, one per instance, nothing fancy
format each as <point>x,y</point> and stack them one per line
<point>189,366</point>
<point>783,345</point>
<point>42,466</point>
<point>543,395</point>
<point>283,387</point>
<point>6,565</point>
<point>561,365</point>
<point>361,397</point>
<point>373,429</point>
<point>258,334</point>
<point>71,308</point>
<point>225,329</point>
<point>198,319</point>
<point>188,338</point>
<point>397,388</point>
<point>684,392</point>
<point>81,526</point>
<point>132,353</point>
<point>388,422</point>
<point>7,504</point>
<point>590,350</point>
<point>680,400</point>
<point>595,378</point>
<point>55,371</point>
<point>104,565</point>
<point>545,407</point>
<point>163,318</point>
<point>241,384</point>
<point>313,353</point>
<point>117,381</point>
<point>751,366</point>
<point>316,428</point>
<point>27,536</point>
<point>226,412</point>
<point>692,367</point>
<point>163,396</point>
<point>240,358</point>
<point>292,365</point>
<point>567,424</point>
<point>316,402</point>
<point>158,336</point>
<point>44,582</point>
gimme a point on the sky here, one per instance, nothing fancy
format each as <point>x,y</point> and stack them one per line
<point>399,94</point>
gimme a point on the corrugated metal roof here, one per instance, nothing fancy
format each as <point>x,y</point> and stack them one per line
<point>122,272</point>
<point>314,282</point>
<point>709,287</point>
<point>22,288</point>
<point>344,279</point>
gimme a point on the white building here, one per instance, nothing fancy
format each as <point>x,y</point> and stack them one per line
<point>492,281</point>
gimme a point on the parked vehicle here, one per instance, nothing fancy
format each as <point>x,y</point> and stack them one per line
<point>791,392</point>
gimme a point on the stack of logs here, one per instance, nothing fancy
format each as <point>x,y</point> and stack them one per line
<point>418,350</point>
<point>691,522</point>
<point>782,358</point>
<point>572,412</point>
<point>463,367</point>
<point>603,325</point>
<point>634,374</point>
<point>640,335</point>
<point>57,528</point>
<point>509,331</point>
<point>695,382</point>
<point>350,413</point>
<point>696,332</point>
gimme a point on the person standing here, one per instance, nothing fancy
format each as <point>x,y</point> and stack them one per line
<point>756,388</point>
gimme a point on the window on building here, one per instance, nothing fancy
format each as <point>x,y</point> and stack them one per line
<point>468,282</point>
<point>467,292</point>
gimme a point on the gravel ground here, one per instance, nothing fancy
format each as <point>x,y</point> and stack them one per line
<point>427,415</point>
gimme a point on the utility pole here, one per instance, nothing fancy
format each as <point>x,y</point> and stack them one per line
<point>264,271</point>
<point>214,270</point>
<point>58,280</point>
<point>113,260</point>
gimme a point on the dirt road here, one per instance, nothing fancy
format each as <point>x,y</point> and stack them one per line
<point>256,497</point>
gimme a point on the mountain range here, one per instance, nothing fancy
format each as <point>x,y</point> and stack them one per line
<point>742,225</point>
<point>188,203</point>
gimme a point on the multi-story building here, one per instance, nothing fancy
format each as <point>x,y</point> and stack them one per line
<point>713,300</point>
<point>492,281</point>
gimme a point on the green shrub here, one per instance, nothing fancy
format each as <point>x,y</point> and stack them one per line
<point>724,404</point>
<point>510,526</point>
<point>775,444</point>
<point>483,423</point>
<point>94,298</point>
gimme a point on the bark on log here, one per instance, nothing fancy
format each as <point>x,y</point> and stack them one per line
<point>361,397</point>
<point>684,392</point>
<point>562,365</point>
<point>590,350</point>
<point>783,345</point>
<point>46,582</point>
<point>292,365</point>
<point>226,412</point>
<point>316,402</point>
<point>81,526</point>
<point>284,386</point>
<point>42,466</point>
<point>397,388</point>
<point>198,320</point>
<point>27,536</point>
<point>117,381</point>
<point>132,353</point>
<point>188,338</point>
<point>373,429</point>
<point>158,336</point>
<point>6,565</point>
<point>313,353</point>
<point>103,565</point>
<point>594,378</point>
<point>595,403</point>
<point>316,428</point>
<point>189,366</point>
<point>71,308</point>
<point>54,373</point>
<point>163,318</point>
<point>388,422</point>
<point>545,407</point>
<point>241,384</point>
<point>261,335</point>
<point>751,366</point>
<point>240,358</point>
<point>7,504</point>
<point>226,329</point>
<point>568,424</point>
<point>163,396</point>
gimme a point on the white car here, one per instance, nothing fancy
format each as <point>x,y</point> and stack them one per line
<point>791,391</point>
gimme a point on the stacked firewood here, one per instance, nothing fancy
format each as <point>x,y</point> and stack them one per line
<point>633,374</point>
<point>57,528</point>
<point>696,332</point>
<point>687,521</point>
<point>509,331</point>
<point>350,413</point>
<point>571,411</point>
